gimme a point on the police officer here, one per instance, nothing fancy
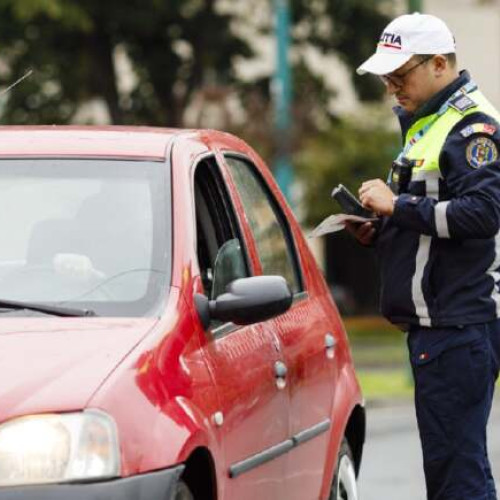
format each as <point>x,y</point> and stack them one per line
<point>438,244</point>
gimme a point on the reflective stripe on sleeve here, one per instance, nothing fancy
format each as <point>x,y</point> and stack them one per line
<point>425,175</point>
<point>441,221</point>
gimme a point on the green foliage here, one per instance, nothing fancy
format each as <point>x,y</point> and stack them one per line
<point>65,11</point>
<point>176,46</point>
<point>349,28</point>
<point>71,45</point>
<point>346,153</point>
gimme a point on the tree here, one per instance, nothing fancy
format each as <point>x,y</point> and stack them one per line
<point>71,46</point>
<point>176,47</point>
<point>348,28</point>
<point>346,153</point>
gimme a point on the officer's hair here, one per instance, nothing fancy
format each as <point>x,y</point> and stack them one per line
<point>451,58</point>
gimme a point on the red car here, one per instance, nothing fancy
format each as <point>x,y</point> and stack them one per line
<point>164,330</point>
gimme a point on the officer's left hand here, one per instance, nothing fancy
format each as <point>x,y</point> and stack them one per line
<point>377,197</point>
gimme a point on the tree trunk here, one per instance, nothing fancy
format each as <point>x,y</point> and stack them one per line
<point>104,83</point>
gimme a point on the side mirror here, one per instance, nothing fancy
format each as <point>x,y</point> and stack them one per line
<point>247,301</point>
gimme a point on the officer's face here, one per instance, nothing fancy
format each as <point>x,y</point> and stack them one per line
<point>416,81</point>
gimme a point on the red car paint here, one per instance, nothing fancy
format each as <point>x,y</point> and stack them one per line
<point>166,381</point>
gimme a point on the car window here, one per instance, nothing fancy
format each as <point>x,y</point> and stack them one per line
<point>221,253</point>
<point>87,233</point>
<point>272,235</point>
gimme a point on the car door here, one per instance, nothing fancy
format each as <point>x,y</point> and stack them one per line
<point>252,417</point>
<point>304,334</point>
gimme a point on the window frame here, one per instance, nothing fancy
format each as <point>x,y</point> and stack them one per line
<point>279,213</point>
<point>227,207</point>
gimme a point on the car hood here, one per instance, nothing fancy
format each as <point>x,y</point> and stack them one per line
<point>57,364</point>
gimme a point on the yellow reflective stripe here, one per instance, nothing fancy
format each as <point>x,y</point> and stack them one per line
<point>419,125</point>
<point>430,146</point>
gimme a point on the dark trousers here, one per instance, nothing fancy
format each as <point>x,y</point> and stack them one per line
<point>454,385</point>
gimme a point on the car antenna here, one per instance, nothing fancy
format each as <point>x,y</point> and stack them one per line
<point>17,82</point>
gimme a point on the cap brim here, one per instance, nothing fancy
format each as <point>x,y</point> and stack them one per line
<point>381,64</point>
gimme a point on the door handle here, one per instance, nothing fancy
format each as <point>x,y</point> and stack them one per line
<point>330,344</point>
<point>280,371</point>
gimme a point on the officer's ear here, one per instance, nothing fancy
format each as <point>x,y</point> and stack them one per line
<point>440,65</point>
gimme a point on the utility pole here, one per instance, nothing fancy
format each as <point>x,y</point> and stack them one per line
<point>282,94</point>
<point>415,6</point>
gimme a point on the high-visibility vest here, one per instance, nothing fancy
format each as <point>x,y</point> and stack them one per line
<point>428,149</point>
<point>426,153</point>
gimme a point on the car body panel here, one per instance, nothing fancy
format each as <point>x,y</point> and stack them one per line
<point>99,142</point>
<point>71,357</point>
<point>166,381</point>
<point>313,374</point>
<point>226,355</point>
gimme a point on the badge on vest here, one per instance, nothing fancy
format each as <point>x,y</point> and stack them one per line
<point>462,103</point>
<point>478,128</point>
<point>480,151</point>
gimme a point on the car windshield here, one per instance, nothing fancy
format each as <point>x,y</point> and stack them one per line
<point>90,234</point>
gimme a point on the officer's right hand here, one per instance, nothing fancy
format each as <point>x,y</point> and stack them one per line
<point>364,233</point>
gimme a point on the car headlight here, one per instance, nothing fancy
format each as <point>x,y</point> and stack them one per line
<point>57,448</point>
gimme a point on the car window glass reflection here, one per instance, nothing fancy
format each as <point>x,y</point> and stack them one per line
<point>221,254</point>
<point>274,252</point>
<point>78,232</point>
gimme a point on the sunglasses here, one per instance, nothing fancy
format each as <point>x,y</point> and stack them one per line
<point>399,80</point>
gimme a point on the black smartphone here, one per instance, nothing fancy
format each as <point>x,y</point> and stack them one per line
<point>349,203</point>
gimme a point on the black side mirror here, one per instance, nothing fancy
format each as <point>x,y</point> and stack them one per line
<point>247,301</point>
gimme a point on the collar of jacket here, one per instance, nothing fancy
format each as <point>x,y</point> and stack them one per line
<point>406,119</point>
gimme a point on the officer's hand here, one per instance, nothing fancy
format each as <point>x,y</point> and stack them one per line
<point>364,233</point>
<point>377,196</point>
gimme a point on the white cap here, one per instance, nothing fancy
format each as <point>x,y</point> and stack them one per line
<point>406,36</point>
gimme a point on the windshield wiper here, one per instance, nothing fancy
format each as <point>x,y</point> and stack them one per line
<point>54,310</point>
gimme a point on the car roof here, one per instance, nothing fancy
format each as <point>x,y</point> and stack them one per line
<point>77,141</point>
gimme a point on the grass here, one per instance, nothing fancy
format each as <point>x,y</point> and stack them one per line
<point>376,344</point>
<point>379,355</point>
<point>385,384</point>
<point>381,358</point>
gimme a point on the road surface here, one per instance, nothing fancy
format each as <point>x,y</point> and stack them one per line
<point>392,461</point>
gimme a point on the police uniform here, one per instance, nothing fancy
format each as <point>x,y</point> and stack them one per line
<point>439,256</point>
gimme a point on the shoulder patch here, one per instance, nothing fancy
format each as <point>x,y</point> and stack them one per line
<point>462,103</point>
<point>480,151</point>
<point>478,128</point>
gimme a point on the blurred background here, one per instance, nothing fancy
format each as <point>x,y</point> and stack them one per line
<point>278,73</point>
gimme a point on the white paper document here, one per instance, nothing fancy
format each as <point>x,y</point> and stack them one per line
<point>335,223</point>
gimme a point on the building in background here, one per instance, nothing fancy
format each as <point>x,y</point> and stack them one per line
<point>476,26</point>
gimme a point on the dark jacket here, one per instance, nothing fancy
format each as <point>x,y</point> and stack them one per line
<point>461,275</point>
